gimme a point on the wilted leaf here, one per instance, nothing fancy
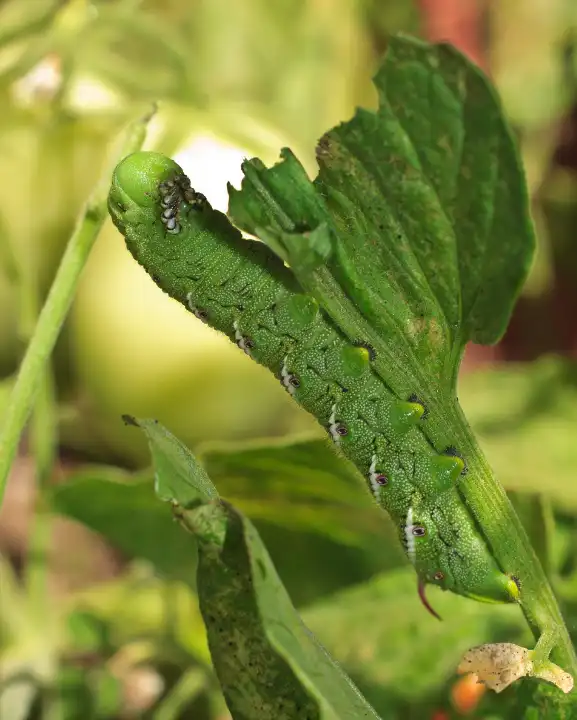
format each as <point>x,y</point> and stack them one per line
<point>269,665</point>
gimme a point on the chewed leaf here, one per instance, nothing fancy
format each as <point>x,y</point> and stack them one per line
<point>414,239</point>
<point>284,211</point>
<point>498,665</point>
<point>425,209</point>
<point>307,248</point>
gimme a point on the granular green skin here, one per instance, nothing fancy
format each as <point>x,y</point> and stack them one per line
<point>244,290</point>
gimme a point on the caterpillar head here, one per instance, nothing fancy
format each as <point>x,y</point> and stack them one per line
<point>464,566</point>
<point>169,228</point>
<point>492,587</point>
<point>135,191</point>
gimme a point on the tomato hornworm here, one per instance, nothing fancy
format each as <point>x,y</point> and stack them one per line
<point>243,289</point>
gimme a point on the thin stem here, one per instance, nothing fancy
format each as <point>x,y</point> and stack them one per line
<point>190,684</point>
<point>513,550</point>
<point>43,437</point>
<point>481,491</point>
<point>56,308</point>
<point>43,448</point>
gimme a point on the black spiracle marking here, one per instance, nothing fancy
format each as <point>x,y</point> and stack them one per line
<point>201,314</point>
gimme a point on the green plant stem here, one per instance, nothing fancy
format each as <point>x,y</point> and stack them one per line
<point>43,438</point>
<point>482,492</point>
<point>43,448</point>
<point>513,549</point>
<point>190,684</point>
<point>56,307</point>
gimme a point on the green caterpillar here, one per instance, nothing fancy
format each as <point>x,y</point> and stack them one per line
<point>241,288</point>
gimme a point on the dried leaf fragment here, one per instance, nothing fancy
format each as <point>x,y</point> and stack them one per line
<point>498,665</point>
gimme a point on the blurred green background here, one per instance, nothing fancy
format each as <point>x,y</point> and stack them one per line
<point>113,630</point>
